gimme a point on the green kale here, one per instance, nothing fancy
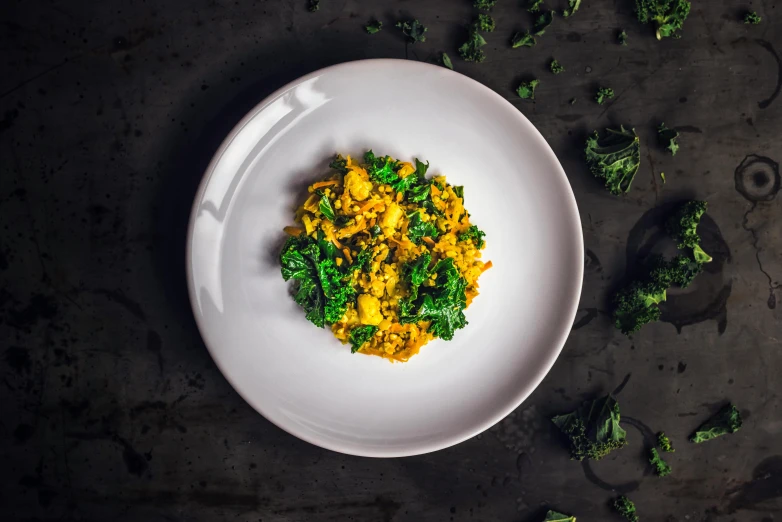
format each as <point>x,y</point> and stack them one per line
<point>313,5</point>
<point>542,22</point>
<point>418,229</point>
<point>446,60</point>
<point>526,90</point>
<point>752,18</point>
<point>667,138</point>
<point>683,227</point>
<point>325,206</point>
<point>475,235</point>
<point>626,508</point>
<point>415,185</point>
<point>603,94</point>
<point>413,30</point>
<point>593,429</point>
<point>343,221</point>
<point>522,40</point>
<point>614,158</point>
<point>360,335</point>
<point>459,191</point>
<point>375,231</point>
<point>556,67</point>
<point>374,26</point>
<point>684,269</point>
<point>361,261</point>
<point>414,274</point>
<point>484,5</point>
<point>442,304</point>
<point>664,442</point>
<point>636,304</point>
<point>668,16</point>
<point>621,37</point>
<point>339,164</point>
<point>470,51</point>
<point>662,177</point>
<point>553,516</point>
<point>485,23</point>
<point>661,468</point>
<point>534,6</point>
<point>381,169</point>
<point>727,420</point>
<point>573,6</point>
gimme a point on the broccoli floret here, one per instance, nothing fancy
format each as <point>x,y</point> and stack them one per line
<point>661,468</point>
<point>523,40</point>
<point>484,5</point>
<point>470,51</point>
<point>413,30</point>
<point>485,23</point>
<point>683,227</point>
<point>593,429</point>
<point>667,138</point>
<point>664,442</point>
<point>667,15</point>
<point>615,158</point>
<point>542,22</point>
<point>374,26</point>
<point>621,37</point>
<point>604,93</point>
<point>526,90</point>
<point>727,420</point>
<point>626,508</point>
<point>556,67</point>
<point>752,18</point>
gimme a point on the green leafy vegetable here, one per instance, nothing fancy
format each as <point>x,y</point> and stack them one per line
<point>526,90</point>
<point>485,23</point>
<point>727,420</point>
<point>381,169</point>
<point>418,229</point>
<point>523,40</point>
<point>683,227</point>
<point>603,94</point>
<point>361,261</point>
<point>534,6</point>
<point>664,442</point>
<point>470,51</point>
<point>360,335</point>
<point>459,191</point>
<point>339,164</point>
<point>413,30</point>
<point>573,6</point>
<point>626,508</point>
<point>615,158</point>
<point>374,26</point>
<point>484,5</point>
<point>661,468</point>
<point>325,207</point>
<point>414,273</point>
<point>668,16</point>
<point>553,516</point>
<point>446,61</point>
<point>572,101</point>
<point>662,177</point>
<point>556,67</point>
<point>415,185</point>
<point>636,304</point>
<point>474,234</point>
<point>752,18</point>
<point>442,304</point>
<point>593,429</point>
<point>622,37</point>
<point>542,22</point>
<point>375,231</point>
<point>313,5</point>
<point>667,138</point>
<point>684,269</point>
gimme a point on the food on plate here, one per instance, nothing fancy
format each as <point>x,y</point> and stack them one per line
<point>384,256</point>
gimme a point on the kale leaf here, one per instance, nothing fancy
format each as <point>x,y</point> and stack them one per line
<point>603,94</point>
<point>553,516</point>
<point>621,37</point>
<point>325,207</point>
<point>459,191</point>
<point>534,6</point>
<point>339,164</point>
<point>374,26</point>
<point>683,227</point>
<point>417,229</point>
<point>542,22</point>
<point>360,335</point>
<point>668,16</point>
<point>446,61</point>
<point>381,169</point>
<point>661,468</point>
<point>593,429</point>
<point>556,67</point>
<point>523,40</point>
<point>474,234</point>
<point>573,6</point>
<point>470,51</point>
<point>413,30</point>
<point>664,442</point>
<point>485,23</point>
<point>415,183</point>
<point>526,90</point>
<point>727,420</point>
<point>667,138</point>
<point>626,508</point>
<point>484,5</point>
<point>752,18</point>
<point>313,5</point>
<point>614,158</point>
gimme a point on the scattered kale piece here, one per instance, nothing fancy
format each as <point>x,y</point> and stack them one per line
<point>727,420</point>
<point>667,138</point>
<point>668,16</point>
<point>360,335</point>
<point>522,40</point>
<point>636,304</point>
<point>313,5</point>
<point>534,6</point>
<point>614,158</point>
<point>593,429</point>
<point>556,67</point>
<point>470,51</point>
<point>684,269</point>
<point>664,442</point>
<point>661,468</point>
<point>662,177</point>
<point>446,60</point>
<point>474,234</point>
<point>418,229</point>
<point>542,22</point>
<point>683,227</point>
<point>374,26</point>
<point>752,18</point>
<point>621,37</point>
<point>626,508</point>
<point>603,94</point>
<point>413,30</point>
<point>485,23</point>
<point>553,516</point>
<point>339,164</point>
<point>484,5</point>
<point>573,6</point>
<point>375,231</point>
<point>526,90</point>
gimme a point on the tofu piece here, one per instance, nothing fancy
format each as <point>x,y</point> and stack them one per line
<point>369,310</point>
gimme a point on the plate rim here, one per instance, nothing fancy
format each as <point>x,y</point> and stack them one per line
<point>504,409</point>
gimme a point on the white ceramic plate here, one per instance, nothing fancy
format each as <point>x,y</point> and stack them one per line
<point>300,377</point>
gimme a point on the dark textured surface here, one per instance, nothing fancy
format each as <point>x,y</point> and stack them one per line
<point>113,410</point>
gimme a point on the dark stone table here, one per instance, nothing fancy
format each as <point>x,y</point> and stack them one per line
<point>112,409</point>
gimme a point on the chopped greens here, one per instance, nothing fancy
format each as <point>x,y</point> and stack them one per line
<point>614,158</point>
<point>484,5</point>
<point>374,26</point>
<point>621,37</point>
<point>727,420</point>
<point>661,468</point>
<point>573,6</point>
<point>603,94</point>
<point>446,60</point>
<point>668,16</point>
<point>474,234</point>
<point>381,169</point>
<point>339,164</point>
<point>683,227</point>
<point>542,22</point>
<point>526,90</point>
<point>667,138</point>
<point>636,304</point>
<point>419,229</point>
<point>522,40</point>
<point>626,508</point>
<point>593,429</point>
<point>534,6</point>
<point>752,18</point>
<point>360,335</point>
<point>313,5</point>
<point>325,207</point>
<point>413,30</point>
<point>556,67</point>
<point>664,442</point>
<point>485,23</point>
<point>553,516</point>
<point>470,51</point>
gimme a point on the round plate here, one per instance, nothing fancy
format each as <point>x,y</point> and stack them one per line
<point>300,377</point>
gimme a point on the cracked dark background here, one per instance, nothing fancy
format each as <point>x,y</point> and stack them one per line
<point>111,406</point>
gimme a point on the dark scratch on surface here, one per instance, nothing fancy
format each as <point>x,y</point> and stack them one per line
<point>622,384</point>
